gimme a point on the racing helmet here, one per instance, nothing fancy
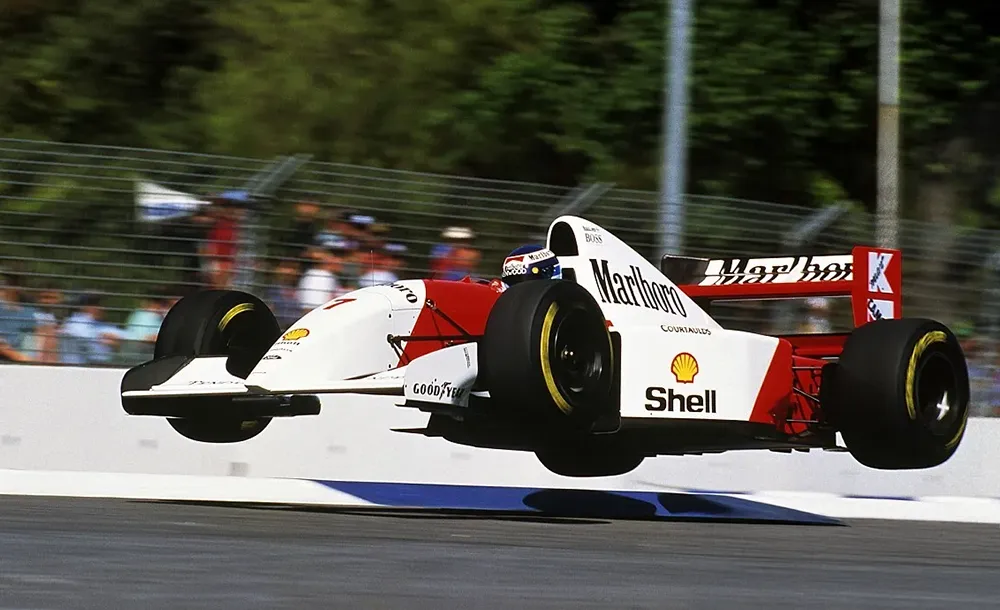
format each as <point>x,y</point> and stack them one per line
<point>531,262</point>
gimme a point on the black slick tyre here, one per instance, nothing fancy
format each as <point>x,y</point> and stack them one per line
<point>899,394</point>
<point>219,323</point>
<point>547,356</point>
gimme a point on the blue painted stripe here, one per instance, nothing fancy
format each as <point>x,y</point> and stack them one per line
<point>573,502</point>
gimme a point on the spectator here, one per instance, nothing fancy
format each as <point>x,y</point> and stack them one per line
<point>320,283</point>
<point>43,345</point>
<point>455,258</point>
<point>337,234</point>
<point>281,294</point>
<point>360,230</point>
<point>17,322</point>
<point>184,238</point>
<point>86,338</point>
<point>304,231</point>
<point>383,267</point>
<point>143,326</point>
<point>221,244</point>
<point>817,316</point>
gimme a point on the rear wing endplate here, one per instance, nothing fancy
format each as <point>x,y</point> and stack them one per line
<point>872,277</point>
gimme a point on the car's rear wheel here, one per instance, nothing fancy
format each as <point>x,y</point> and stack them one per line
<point>219,323</point>
<point>899,394</point>
<point>547,355</point>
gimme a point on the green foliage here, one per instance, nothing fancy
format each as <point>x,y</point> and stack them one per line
<point>783,92</point>
<point>557,92</point>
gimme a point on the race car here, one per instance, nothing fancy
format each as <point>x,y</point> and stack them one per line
<point>615,362</point>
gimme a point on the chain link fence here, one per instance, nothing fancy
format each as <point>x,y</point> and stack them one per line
<point>95,242</point>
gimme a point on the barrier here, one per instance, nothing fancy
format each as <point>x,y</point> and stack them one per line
<point>70,419</point>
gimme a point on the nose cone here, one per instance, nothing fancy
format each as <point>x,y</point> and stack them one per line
<point>347,337</point>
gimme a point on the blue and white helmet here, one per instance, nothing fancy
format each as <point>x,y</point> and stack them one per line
<point>530,262</point>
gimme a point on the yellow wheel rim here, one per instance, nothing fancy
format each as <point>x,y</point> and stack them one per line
<point>232,313</point>
<point>929,339</point>
<point>550,381</point>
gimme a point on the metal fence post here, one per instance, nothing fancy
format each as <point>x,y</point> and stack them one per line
<point>260,189</point>
<point>674,170</point>
<point>888,124</point>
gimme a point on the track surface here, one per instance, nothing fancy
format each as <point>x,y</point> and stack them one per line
<point>69,553</point>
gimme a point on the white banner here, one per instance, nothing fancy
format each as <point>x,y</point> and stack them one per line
<point>155,203</point>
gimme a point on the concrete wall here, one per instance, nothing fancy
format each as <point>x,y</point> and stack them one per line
<point>70,419</point>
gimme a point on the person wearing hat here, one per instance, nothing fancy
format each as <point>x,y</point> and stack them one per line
<point>384,265</point>
<point>455,258</point>
<point>365,235</point>
<point>322,282</point>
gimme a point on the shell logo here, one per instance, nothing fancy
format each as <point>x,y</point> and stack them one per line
<point>684,367</point>
<point>295,334</point>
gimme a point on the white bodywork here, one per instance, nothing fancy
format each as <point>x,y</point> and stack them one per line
<point>732,364</point>
<point>346,351</point>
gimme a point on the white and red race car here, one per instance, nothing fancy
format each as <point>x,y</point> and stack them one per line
<point>616,362</point>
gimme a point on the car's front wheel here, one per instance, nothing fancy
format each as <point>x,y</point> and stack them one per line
<point>547,355</point>
<point>219,323</point>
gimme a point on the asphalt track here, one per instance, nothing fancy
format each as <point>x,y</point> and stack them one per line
<point>75,553</point>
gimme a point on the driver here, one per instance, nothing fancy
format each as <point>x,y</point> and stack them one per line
<point>530,262</point>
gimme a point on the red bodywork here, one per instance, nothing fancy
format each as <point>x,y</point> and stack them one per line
<point>799,360</point>
<point>455,312</point>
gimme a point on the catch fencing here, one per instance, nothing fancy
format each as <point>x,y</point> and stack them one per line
<point>71,223</point>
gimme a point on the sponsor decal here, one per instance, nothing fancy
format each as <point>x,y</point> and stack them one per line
<point>199,382</point>
<point>468,359</point>
<point>435,389</point>
<point>877,263</point>
<point>295,334</point>
<point>411,297</point>
<point>271,357</point>
<point>590,229</point>
<point>663,399</point>
<point>879,309</point>
<point>336,302</point>
<point>541,255</point>
<point>778,270</point>
<point>514,266</point>
<point>684,367</point>
<point>692,330</point>
<point>631,288</point>
<point>593,238</point>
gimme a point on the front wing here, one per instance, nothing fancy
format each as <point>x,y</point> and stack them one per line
<point>178,386</point>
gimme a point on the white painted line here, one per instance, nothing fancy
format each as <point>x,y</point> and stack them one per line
<point>957,510</point>
<point>171,487</point>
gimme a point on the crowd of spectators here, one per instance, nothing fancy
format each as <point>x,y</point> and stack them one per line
<point>46,327</point>
<point>327,252</point>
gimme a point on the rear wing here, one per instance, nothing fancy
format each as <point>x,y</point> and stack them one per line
<point>872,277</point>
